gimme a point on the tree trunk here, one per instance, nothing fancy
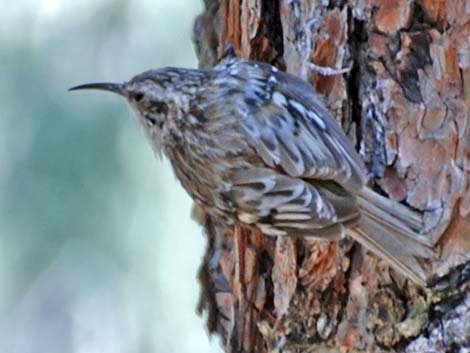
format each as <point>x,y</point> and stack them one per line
<point>405,103</point>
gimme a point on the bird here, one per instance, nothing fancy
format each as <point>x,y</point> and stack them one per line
<point>256,146</point>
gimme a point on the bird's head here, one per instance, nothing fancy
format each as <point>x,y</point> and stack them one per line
<point>156,97</point>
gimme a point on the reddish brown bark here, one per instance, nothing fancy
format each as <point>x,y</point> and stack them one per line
<point>405,103</point>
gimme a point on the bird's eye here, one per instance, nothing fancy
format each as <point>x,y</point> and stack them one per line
<point>138,97</point>
<point>160,108</point>
<point>151,122</point>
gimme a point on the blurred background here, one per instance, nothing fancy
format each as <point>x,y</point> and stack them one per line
<point>98,252</point>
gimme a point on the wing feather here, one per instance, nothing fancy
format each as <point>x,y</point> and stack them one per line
<point>295,131</point>
<point>288,203</point>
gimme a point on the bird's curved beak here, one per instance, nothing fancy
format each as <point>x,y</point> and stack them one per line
<point>102,86</point>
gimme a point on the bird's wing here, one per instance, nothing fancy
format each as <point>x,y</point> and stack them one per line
<point>279,204</point>
<point>289,127</point>
<point>306,176</point>
<point>298,170</point>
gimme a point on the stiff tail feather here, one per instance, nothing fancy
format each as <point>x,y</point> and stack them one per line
<point>392,231</point>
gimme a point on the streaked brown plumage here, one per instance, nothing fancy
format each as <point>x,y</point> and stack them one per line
<point>256,146</point>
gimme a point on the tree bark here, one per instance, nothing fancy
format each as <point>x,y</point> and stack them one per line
<point>405,103</point>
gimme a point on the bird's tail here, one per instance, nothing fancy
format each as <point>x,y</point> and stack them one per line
<point>392,231</point>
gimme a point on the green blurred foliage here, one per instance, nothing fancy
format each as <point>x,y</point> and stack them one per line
<point>97,249</point>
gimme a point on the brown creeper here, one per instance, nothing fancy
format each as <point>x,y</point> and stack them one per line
<point>256,146</point>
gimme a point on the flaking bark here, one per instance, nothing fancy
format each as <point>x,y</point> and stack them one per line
<point>405,104</point>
